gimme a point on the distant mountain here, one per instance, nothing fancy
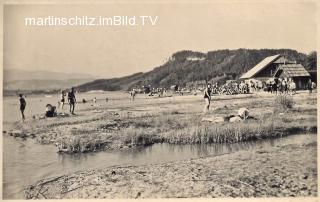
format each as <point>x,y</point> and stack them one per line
<point>44,84</point>
<point>188,66</point>
<point>17,75</point>
<point>16,79</point>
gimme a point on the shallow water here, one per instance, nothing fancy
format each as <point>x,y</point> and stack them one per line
<point>26,162</point>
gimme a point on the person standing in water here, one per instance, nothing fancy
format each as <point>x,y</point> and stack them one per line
<point>23,104</point>
<point>207,97</point>
<point>72,100</point>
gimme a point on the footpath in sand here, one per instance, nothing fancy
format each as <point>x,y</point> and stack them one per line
<point>283,171</point>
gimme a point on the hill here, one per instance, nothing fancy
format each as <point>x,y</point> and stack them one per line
<point>16,79</point>
<point>188,66</point>
<point>43,84</point>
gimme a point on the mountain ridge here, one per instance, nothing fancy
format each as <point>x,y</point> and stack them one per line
<point>188,66</point>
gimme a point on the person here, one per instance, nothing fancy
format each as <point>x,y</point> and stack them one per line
<point>313,85</point>
<point>252,87</point>
<point>72,100</point>
<point>275,85</point>
<point>62,99</point>
<point>132,94</point>
<point>243,113</point>
<point>95,101</point>
<point>309,86</point>
<point>23,104</point>
<point>292,87</point>
<point>207,98</point>
<point>50,111</point>
<point>284,86</point>
<point>247,88</point>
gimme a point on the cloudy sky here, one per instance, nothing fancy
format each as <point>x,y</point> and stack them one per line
<point>113,51</point>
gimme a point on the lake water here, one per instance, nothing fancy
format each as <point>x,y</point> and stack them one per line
<point>25,162</point>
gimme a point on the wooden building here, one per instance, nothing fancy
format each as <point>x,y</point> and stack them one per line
<point>296,72</point>
<point>277,66</point>
<point>265,69</point>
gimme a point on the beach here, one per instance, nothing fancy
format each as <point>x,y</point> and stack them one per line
<point>123,125</point>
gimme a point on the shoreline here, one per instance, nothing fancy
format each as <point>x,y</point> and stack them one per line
<point>282,171</point>
<point>124,124</point>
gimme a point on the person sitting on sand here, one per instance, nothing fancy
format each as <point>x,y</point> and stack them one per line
<point>23,104</point>
<point>72,100</point>
<point>207,98</point>
<point>50,111</point>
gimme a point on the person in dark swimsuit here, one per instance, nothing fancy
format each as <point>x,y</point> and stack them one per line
<point>72,100</point>
<point>207,98</point>
<point>62,101</point>
<point>23,104</point>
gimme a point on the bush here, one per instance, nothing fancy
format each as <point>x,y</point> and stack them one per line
<point>283,102</point>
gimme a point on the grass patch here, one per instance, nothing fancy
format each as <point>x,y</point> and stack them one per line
<point>283,102</point>
<point>136,137</point>
<point>82,143</point>
<point>226,133</point>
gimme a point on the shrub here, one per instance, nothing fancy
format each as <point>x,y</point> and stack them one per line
<point>283,102</point>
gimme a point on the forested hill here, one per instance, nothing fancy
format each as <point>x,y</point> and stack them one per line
<point>188,66</point>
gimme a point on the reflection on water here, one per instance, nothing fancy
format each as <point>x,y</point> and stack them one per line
<point>26,162</point>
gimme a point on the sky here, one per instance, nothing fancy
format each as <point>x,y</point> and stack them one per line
<point>114,51</point>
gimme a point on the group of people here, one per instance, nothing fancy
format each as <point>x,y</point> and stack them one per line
<point>71,100</point>
<point>274,86</point>
<point>132,94</point>
<point>277,85</point>
<point>242,87</point>
<point>51,110</point>
<point>281,86</point>
<point>311,85</point>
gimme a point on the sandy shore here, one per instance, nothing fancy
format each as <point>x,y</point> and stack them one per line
<point>279,171</point>
<point>284,171</point>
<point>124,124</point>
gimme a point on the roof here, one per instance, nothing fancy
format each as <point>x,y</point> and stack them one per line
<point>292,70</point>
<point>260,66</point>
<point>283,60</point>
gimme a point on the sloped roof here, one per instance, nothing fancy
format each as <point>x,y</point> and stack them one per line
<point>260,66</point>
<point>292,70</point>
<point>283,60</point>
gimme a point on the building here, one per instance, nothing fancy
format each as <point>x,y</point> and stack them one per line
<point>265,69</point>
<point>296,72</point>
<point>277,66</point>
<point>313,74</point>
